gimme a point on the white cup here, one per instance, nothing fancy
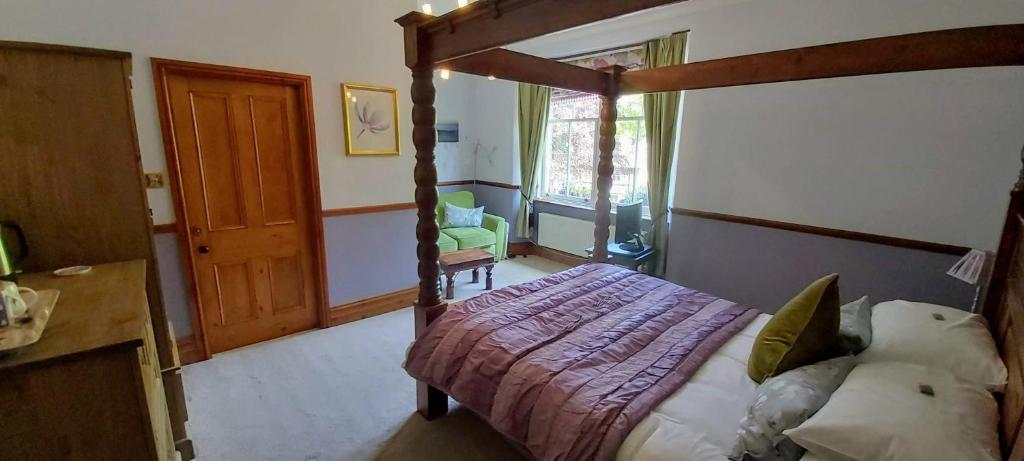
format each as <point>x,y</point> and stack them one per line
<point>14,301</point>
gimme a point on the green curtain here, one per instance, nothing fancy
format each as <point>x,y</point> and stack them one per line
<point>534,102</point>
<point>661,111</point>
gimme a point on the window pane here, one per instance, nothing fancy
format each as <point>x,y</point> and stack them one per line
<point>581,159</point>
<point>624,159</point>
<point>640,184</point>
<point>588,107</point>
<point>562,110</point>
<point>571,153</point>
<point>631,106</point>
<point>557,161</point>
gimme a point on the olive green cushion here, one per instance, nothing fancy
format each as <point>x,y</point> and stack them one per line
<point>803,332</point>
<point>471,237</point>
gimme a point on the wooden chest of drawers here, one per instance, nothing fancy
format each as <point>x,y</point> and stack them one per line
<point>91,388</point>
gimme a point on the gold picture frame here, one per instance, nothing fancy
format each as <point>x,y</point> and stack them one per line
<point>371,120</point>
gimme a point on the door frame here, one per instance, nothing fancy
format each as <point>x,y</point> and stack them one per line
<point>162,68</point>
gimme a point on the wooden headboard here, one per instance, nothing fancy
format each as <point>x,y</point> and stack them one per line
<point>1004,309</point>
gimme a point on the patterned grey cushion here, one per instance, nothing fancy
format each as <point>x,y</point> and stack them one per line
<point>855,326</point>
<point>456,216</point>
<point>784,402</point>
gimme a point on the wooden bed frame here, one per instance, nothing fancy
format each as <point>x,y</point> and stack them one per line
<point>469,39</point>
<point>1004,309</point>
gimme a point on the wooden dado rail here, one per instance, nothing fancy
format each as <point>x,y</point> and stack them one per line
<point>171,228</point>
<point>368,209</point>
<point>828,232</point>
<point>824,231</point>
<point>470,182</point>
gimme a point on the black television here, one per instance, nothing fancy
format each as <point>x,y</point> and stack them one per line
<point>627,221</point>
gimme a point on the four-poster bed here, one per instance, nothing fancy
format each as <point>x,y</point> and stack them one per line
<point>468,40</point>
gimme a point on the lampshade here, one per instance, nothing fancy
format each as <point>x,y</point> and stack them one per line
<point>968,269</point>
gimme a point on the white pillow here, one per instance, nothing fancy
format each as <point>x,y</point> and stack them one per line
<point>855,326</point>
<point>936,336</point>
<point>880,413</point>
<point>456,216</point>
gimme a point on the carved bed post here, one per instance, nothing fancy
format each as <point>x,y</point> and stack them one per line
<point>425,174</point>
<point>605,167</point>
<point>995,289</point>
<point>430,402</point>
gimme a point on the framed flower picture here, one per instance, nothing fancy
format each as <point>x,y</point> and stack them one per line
<point>371,119</point>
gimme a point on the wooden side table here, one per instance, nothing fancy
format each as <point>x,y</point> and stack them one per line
<point>464,260</point>
<point>630,259</point>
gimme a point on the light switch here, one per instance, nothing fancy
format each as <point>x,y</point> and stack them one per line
<point>154,180</point>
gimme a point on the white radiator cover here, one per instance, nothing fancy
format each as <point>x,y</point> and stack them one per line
<point>568,235</point>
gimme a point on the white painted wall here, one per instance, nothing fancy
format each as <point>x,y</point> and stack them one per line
<point>333,41</point>
<point>488,149</point>
<point>928,156</point>
<point>439,6</point>
<point>496,128</point>
<point>454,103</point>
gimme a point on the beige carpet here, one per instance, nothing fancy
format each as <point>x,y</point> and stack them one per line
<point>336,394</point>
<point>459,436</point>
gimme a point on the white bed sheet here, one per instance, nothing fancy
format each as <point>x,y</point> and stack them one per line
<point>699,421</point>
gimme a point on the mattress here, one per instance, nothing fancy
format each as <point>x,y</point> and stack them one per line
<point>698,422</point>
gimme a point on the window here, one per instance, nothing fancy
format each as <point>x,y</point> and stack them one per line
<point>569,167</point>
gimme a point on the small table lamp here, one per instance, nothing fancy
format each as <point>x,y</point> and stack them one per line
<point>969,269</point>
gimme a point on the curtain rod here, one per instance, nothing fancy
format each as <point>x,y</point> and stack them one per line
<point>614,49</point>
<point>591,54</point>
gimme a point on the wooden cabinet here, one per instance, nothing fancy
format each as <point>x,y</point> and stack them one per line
<point>91,388</point>
<point>72,178</point>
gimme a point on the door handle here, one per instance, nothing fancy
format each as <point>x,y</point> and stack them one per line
<point>203,249</point>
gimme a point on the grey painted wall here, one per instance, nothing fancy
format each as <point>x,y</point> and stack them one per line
<point>763,267</point>
<point>370,254</point>
<point>503,202</point>
<point>373,254</point>
<point>367,255</point>
<point>173,284</point>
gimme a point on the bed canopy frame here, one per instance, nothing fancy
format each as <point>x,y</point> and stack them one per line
<point>468,40</point>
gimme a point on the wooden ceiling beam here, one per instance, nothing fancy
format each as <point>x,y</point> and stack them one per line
<point>987,46</point>
<point>519,67</point>
<point>487,24</point>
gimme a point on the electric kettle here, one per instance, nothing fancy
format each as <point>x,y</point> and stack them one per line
<point>8,261</point>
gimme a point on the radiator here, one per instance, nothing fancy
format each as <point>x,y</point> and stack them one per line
<point>568,235</point>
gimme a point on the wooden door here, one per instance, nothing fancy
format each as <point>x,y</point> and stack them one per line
<point>245,179</point>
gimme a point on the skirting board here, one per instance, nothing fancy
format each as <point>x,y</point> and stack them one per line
<point>187,351</point>
<point>530,248</point>
<point>520,248</point>
<point>369,307</point>
<point>168,228</point>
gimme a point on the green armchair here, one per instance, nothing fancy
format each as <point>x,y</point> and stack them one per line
<point>491,236</point>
